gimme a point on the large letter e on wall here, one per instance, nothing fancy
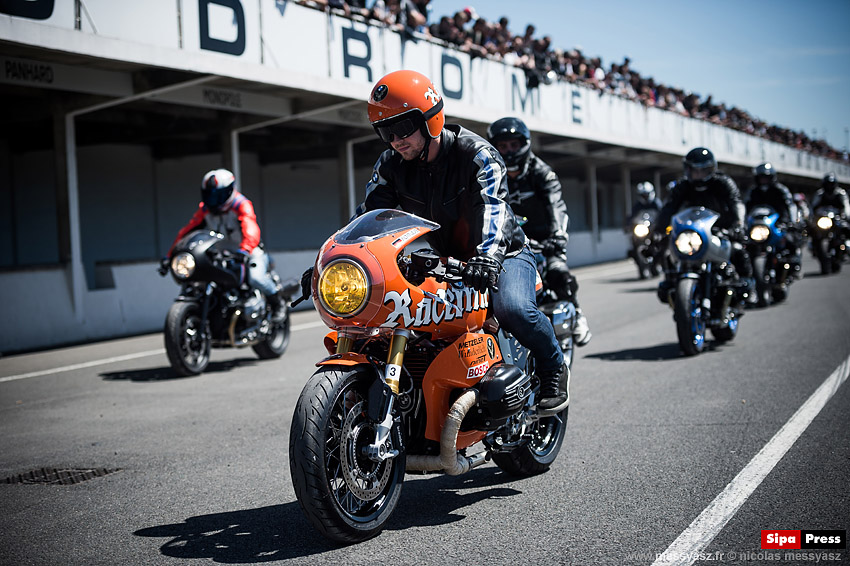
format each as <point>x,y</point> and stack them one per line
<point>234,47</point>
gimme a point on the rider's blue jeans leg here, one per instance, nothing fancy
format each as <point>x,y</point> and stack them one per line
<point>258,273</point>
<point>515,305</point>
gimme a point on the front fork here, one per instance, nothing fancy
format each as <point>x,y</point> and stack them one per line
<point>379,450</point>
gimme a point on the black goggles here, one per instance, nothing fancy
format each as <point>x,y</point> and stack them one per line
<point>406,124</point>
<point>397,130</point>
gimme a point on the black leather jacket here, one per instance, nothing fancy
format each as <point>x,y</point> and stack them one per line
<point>837,198</point>
<point>720,194</point>
<point>776,196</point>
<point>536,196</point>
<point>463,189</point>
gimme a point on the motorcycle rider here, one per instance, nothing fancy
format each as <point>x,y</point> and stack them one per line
<point>646,199</point>
<point>534,193</point>
<point>225,210</point>
<point>704,185</point>
<point>830,194</point>
<point>454,177</point>
<point>767,191</point>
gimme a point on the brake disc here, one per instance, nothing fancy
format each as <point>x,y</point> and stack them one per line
<point>365,484</point>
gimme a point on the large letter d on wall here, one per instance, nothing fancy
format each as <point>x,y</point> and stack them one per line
<point>234,47</point>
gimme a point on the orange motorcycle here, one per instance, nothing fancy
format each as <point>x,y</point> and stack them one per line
<point>419,379</point>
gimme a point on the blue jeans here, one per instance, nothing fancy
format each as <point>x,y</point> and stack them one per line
<point>515,306</point>
<point>258,273</point>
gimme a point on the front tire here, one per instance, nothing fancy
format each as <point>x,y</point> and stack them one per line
<point>687,311</point>
<point>187,342</point>
<point>345,495</point>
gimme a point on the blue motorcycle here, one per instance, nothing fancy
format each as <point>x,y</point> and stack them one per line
<point>773,264</point>
<point>706,292</point>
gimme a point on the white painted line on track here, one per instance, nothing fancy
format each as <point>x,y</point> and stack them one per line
<point>126,357</point>
<point>686,549</point>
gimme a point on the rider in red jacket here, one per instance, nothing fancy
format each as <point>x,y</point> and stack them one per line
<point>225,210</point>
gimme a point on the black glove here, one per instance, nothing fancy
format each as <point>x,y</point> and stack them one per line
<point>163,266</point>
<point>554,246</point>
<point>481,273</point>
<point>307,283</point>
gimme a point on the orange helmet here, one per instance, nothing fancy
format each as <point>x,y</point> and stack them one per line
<point>403,102</point>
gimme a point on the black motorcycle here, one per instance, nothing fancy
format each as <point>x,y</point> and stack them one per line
<point>561,313</point>
<point>216,307</point>
<point>774,265</point>
<point>829,238</point>
<point>646,249</point>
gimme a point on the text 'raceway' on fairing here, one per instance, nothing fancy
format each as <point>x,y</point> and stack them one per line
<point>216,307</point>
<point>417,375</point>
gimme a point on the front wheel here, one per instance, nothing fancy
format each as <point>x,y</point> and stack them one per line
<point>187,342</point>
<point>762,280</point>
<point>687,311</point>
<point>344,494</point>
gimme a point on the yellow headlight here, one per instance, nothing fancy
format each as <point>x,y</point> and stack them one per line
<point>183,265</point>
<point>343,287</point>
<point>824,222</point>
<point>759,233</point>
<point>641,230</point>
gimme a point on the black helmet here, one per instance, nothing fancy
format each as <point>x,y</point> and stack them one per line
<point>764,174</point>
<point>829,183</point>
<point>764,170</point>
<point>216,188</point>
<point>507,129</point>
<point>646,191</point>
<point>700,165</point>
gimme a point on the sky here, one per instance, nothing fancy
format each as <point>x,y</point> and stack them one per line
<point>786,62</point>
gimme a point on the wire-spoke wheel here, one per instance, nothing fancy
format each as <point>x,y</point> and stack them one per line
<point>347,496</point>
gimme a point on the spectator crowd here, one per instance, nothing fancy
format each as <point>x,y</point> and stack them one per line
<point>467,32</point>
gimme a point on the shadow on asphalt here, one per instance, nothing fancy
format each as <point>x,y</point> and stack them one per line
<point>668,351</point>
<point>166,373</point>
<point>281,532</point>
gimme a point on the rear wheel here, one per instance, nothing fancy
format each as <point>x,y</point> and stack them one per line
<point>187,343</point>
<point>536,455</point>
<point>687,311</point>
<point>275,343</point>
<point>344,494</point>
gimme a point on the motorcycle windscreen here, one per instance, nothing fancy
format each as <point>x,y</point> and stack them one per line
<point>377,223</point>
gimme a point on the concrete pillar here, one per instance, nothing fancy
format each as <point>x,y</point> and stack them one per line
<point>593,191</point>
<point>626,180</point>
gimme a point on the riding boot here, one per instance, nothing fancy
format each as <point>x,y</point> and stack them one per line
<point>554,391</point>
<point>581,334</point>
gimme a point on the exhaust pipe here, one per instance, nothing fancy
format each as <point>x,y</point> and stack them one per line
<point>449,460</point>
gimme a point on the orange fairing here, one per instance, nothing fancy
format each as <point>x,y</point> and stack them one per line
<point>391,301</point>
<point>459,366</point>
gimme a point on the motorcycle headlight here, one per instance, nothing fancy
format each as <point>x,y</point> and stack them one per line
<point>759,233</point>
<point>824,222</point>
<point>183,265</point>
<point>641,230</point>
<point>688,242</point>
<point>343,288</point>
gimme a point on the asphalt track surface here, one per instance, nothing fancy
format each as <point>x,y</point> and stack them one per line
<point>665,457</point>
